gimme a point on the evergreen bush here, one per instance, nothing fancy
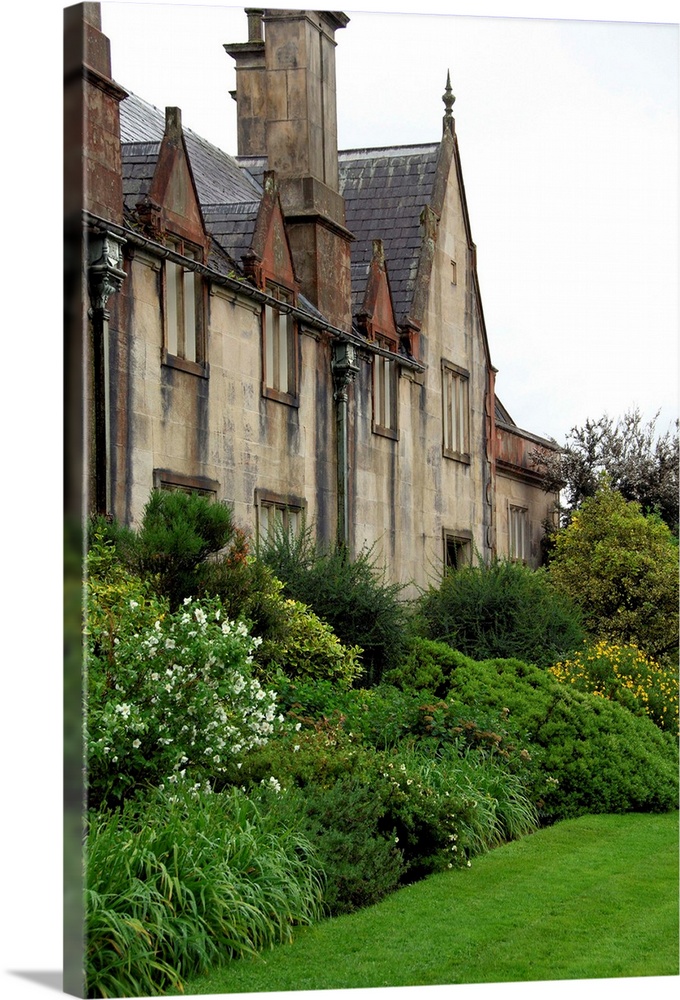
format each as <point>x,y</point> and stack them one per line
<point>350,594</point>
<point>307,647</point>
<point>593,754</point>
<point>501,610</point>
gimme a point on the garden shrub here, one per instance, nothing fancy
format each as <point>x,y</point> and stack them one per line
<point>345,824</point>
<point>188,546</point>
<point>449,807</point>
<point>177,883</point>
<point>624,674</point>
<point>594,755</point>
<point>170,695</point>
<point>621,568</point>
<point>426,667</point>
<point>503,610</point>
<point>381,716</point>
<point>307,647</point>
<point>350,594</point>
<point>177,533</point>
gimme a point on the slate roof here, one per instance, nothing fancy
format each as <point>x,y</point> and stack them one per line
<point>385,192</point>
<point>229,195</point>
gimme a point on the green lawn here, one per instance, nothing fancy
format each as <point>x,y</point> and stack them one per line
<point>591,898</point>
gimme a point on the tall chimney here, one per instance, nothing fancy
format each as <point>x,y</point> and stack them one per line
<point>91,117</point>
<point>286,99</point>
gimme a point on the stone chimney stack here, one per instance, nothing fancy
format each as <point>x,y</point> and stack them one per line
<point>92,153</point>
<point>286,100</point>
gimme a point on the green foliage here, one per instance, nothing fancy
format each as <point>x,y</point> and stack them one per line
<point>307,647</point>
<point>178,532</point>
<point>171,696</point>
<point>178,883</point>
<point>639,463</point>
<point>626,675</point>
<point>501,610</point>
<point>593,755</point>
<point>426,667</point>
<point>188,546</point>
<point>350,594</point>
<point>345,824</point>
<point>450,806</point>
<point>621,569</point>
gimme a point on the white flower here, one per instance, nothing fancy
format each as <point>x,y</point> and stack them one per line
<point>187,600</point>
<point>134,604</point>
<point>298,726</point>
<point>136,743</point>
<point>296,748</point>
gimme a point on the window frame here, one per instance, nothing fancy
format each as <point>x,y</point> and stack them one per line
<point>167,479</point>
<point>455,405</point>
<point>518,518</point>
<point>385,382</point>
<point>272,353</point>
<point>187,283</point>
<point>456,540</point>
<point>286,505</point>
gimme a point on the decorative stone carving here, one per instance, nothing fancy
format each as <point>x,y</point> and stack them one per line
<point>345,368</point>
<point>105,272</point>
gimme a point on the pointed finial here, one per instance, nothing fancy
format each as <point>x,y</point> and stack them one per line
<point>448,99</point>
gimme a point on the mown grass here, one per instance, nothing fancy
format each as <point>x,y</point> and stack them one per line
<point>590,898</point>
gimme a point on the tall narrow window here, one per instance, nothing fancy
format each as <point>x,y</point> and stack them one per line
<point>456,412</point>
<point>279,348</point>
<point>384,394</point>
<point>517,527</point>
<point>183,306</point>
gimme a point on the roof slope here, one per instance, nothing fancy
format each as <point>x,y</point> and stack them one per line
<point>385,192</point>
<point>229,195</point>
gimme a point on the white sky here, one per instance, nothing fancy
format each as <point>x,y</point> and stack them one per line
<point>568,133</point>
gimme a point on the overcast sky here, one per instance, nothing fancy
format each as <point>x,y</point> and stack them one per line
<point>568,132</point>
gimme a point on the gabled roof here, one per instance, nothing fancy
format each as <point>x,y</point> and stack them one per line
<point>385,192</point>
<point>229,195</point>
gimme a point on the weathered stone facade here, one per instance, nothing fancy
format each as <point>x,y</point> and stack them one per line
<point>297,331</point>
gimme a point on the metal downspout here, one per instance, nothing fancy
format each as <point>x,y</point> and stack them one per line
<point>344,367</point>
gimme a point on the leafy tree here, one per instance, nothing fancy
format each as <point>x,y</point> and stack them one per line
<point>641,465</point>
<point>621,568</point>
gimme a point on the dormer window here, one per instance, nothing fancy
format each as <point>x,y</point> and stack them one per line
<point>184,308</point>
<point>279,347</point>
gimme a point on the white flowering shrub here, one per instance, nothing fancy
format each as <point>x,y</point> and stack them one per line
<point>171,696</point>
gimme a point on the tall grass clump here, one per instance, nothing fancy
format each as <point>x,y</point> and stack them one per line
<point>503,610</point>
<point>181,882</point>
<point>351,595</point>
